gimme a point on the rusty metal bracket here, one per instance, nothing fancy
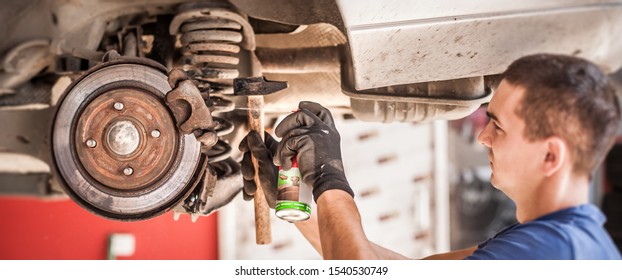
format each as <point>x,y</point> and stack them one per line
<point>189,109</point>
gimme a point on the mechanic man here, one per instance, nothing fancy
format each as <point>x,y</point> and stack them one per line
<point>553,119</point>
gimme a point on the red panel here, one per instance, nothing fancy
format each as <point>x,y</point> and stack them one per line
<point>36,229</point>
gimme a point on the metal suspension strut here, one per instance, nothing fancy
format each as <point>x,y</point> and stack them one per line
<point>212,40</point>
<point>209,47</point>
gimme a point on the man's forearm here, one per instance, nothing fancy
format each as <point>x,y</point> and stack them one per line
<point>341,232</point>
<point>309,229</point>
<point>386,254</point>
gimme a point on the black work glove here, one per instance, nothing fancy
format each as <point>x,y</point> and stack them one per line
<point>268,172</point>
<point>310,134</point>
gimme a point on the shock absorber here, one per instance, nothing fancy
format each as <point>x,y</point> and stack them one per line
<point>213,42</point>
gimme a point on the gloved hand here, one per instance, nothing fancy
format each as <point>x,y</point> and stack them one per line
<point>268,172</point>
<point>310,134</point>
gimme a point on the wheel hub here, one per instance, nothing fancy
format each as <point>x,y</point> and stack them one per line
<point>123,121</point>
<point>122,138</point>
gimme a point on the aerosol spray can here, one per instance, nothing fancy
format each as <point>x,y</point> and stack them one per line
<point>293,197</point>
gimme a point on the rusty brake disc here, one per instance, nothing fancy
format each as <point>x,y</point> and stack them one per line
<point>115,145</point>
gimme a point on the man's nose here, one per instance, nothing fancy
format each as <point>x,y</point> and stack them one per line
<point>484,137</point>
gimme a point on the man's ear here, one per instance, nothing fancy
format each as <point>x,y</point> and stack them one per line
<point>556,153</point>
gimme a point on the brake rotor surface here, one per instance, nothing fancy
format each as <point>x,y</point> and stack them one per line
<point>115,144</point>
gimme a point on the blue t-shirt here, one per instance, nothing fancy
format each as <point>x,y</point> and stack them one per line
<point>570,234</point>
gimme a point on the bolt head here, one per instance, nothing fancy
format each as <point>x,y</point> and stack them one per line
<point>128,171</point>
<point>118,106</point>
<point>155,133</point>
<point>91,143</point>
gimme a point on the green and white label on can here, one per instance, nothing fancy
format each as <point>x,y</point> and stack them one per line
<point>292,197</point>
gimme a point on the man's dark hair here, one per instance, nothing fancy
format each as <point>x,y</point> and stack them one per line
<point>571,98</point>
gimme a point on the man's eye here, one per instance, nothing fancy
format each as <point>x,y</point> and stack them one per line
<point>496,126</point>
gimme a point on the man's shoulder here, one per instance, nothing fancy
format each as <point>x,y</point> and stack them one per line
<point>557,228</point>
<point>550,234</point>
<point>533,240</point>
<point>567,236</point>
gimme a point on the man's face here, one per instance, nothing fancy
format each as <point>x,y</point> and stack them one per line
<point>513,159</point>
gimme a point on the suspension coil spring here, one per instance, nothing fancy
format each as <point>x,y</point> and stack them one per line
<point>212,40</point>
<point>210,47</point>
